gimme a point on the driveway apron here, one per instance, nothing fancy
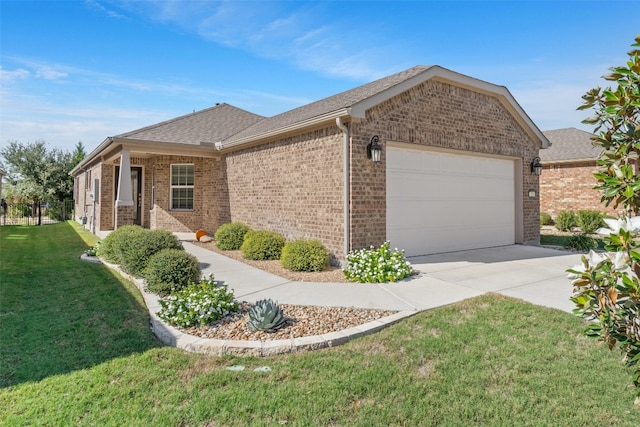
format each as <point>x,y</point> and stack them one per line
<point>530,273</point>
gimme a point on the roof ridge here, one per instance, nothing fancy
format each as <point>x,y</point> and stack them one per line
<point>331,103</point>
<point>183,117</point>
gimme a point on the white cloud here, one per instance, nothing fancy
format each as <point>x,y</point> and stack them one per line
<point>100,8</point>
<point>9,76</point>
<point>49,73</point>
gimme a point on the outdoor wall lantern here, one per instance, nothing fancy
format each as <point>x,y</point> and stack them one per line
<point>374,150</point>
<point>536,166</point>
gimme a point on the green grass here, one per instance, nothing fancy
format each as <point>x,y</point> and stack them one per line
<point>76,349</point>
<point>562,240</point>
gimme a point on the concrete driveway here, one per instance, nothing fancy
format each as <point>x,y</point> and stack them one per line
<point>530,273</point>
<point>534,274</point>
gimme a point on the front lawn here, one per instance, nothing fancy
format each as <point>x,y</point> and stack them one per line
<point>76,349</point>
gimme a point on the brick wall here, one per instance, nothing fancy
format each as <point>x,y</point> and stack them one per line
<point>440,115</point>
<point>83,202</point>
<point>210,210</point>
<point>292,186</point>
<point>569,186</point>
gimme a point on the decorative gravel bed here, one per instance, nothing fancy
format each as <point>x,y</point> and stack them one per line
<point>301,321</point>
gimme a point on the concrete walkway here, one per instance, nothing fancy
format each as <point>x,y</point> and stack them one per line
<point>532,274</point>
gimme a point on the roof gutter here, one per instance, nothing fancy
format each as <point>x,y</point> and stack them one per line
<point>346,194</point>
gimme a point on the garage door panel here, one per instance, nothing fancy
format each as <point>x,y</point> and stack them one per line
<point>439,202</point>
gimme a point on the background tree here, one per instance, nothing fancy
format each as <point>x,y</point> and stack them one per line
<point>606,287</point>
<point>38,173</point>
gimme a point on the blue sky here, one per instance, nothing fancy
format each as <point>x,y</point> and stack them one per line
<point>84,70</point>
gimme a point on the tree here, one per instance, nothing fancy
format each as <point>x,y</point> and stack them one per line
<point>38,173</point>
<point>607,286</point>
<point>78,154</point>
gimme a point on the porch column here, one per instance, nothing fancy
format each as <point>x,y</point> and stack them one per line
<point>124,199</point>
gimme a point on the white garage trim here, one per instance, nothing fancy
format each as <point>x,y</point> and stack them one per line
<point>445,200</point>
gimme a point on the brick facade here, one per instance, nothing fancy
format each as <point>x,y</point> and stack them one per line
<point>294,184</point>
<point>210,207</point>
<point>569,186</point>
<point>441,115</point>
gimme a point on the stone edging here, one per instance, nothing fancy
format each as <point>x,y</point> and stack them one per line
<point>176,338</point>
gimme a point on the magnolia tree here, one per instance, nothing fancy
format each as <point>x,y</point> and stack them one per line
<point>606,286</point>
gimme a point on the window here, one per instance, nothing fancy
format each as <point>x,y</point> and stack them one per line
<point>182,187</point>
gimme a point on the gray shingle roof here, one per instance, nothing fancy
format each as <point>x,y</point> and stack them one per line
<point>209,125</point>
<point>569,144</point>
<point>327,105</point>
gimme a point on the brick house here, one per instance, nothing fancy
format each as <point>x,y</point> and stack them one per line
<point>454,172</point>
<point>567,179</point>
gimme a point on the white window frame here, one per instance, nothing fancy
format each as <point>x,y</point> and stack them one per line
<point>186,185</point>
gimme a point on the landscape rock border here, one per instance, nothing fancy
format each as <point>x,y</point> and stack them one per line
<point>176,338</point>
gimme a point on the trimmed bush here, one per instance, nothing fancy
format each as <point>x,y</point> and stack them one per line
<point>545,219</point>
<point>229,237</point>
<point>111,247</point>
<point>566,220</point>
<point>171,269</point>
<point>589,221</point>
<point>262,245</point>
<point>581,242</point>
<point>304,255</point>
<point>136,254</point>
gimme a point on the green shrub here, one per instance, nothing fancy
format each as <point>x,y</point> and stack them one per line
<point>545,219</point>
<point>589,221</point>
<point>304,255</point>
<point>198,304</point>
<point>229,237</point>
<point>581,242</point>
<point>93,250</point>
<point>111,247</point>
<point>171,269</point>
<point>262,245</point>
<point>566,220</point>
<point>377,265</point>
<point>142,246</point>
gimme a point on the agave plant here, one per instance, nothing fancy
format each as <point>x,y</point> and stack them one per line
<point>266,315</point>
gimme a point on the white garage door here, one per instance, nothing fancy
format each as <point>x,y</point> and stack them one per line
<point>442,202</point>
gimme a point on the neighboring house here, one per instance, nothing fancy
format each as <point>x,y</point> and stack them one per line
<point>454,172</point>
<point>567,179</point>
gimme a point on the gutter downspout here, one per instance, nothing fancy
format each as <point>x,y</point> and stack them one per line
<point>346,191</point>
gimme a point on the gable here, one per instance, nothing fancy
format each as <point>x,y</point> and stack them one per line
<point>354,103</point>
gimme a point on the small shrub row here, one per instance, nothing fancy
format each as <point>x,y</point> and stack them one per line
<point>171,269</point>
<point>262,245</point>
<point>587,220</point>
<point>155,255</point>
<point>545,219</point>
<point>297,255</point>
<point>135,255</point>
<point>229,237</point>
